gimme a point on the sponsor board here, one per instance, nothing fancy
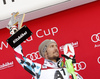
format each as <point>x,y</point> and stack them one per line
<point>19,37</point>
<point>6,65</point>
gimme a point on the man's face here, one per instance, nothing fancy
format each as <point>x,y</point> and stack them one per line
<point>52,52</point>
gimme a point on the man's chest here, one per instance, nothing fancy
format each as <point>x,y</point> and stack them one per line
<point>60,73</point>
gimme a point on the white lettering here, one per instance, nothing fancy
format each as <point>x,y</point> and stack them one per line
<point>19,37</point>
<point>38,34</point>
<point>98,60</point>
<point>75,44</point>
<point>5,45</point>
<point>41,33</point>
<point>97,45</point>
<point>48,32</point>
<point>29,39</point>
<point>6,65</point>
<point>54,30</point>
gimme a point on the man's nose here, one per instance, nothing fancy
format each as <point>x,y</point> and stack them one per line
<point>56,47</point>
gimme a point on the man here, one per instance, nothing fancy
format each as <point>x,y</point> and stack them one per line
<point>47,49</point>
<point>51,69</point>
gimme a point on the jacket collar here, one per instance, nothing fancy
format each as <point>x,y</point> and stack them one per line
<point>49,63</point>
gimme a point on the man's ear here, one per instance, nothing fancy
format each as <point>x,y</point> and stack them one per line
<point>45,55</point>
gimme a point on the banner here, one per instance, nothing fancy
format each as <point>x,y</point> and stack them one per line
<point>80,27</point>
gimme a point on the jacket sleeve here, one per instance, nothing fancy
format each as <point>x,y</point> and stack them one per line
<point>33,68</point>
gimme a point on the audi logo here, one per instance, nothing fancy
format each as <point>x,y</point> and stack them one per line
<point>80,66</point>
<point>95,37</point>
<point>98,60</point>
<point>34,56</point>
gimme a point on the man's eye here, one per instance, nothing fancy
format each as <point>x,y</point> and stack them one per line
<point>52,46</point>
<point>56,45</point>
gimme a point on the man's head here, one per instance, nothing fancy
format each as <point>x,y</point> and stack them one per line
<point>48,49</point>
